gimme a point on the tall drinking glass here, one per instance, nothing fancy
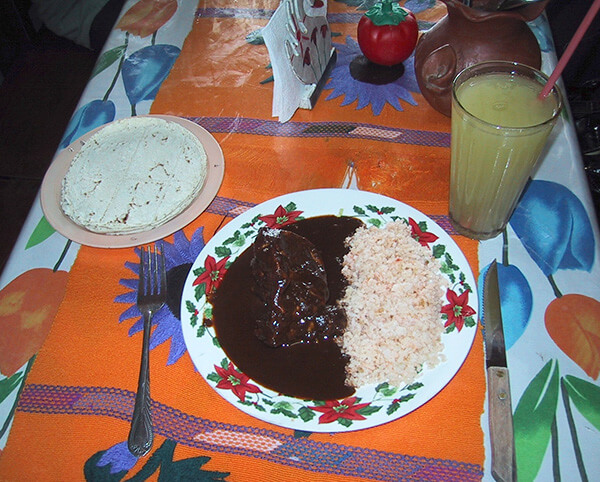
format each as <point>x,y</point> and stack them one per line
<point>499,128</point>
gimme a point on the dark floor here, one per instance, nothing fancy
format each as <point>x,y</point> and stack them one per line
<point>37,98</point>
<point>45,76</point>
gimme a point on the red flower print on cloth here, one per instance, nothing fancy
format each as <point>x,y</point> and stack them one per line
<point>457,309</point>
<point>423,237</point>
<point>213,274</point>
<point>235,381</point>
<point>281,217</point>
<point>334,409</point>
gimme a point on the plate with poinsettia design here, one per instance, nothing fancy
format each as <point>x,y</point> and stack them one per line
<point>370,405</point>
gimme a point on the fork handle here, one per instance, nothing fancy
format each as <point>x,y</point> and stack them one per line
<point>141,434</point>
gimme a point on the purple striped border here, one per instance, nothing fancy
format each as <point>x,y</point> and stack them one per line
<point>261,13</point>
<point>229,207</point>
<point>348,130</point>
<point>270,445</point>
<point>213,12</point>
<point>443,220</point>
<point>224,206</point>
<point>266,14</point>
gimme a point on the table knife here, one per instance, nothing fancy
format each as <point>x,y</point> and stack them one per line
<point>499,401</point>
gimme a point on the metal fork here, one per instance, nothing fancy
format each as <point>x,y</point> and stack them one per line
<point>152,294</point>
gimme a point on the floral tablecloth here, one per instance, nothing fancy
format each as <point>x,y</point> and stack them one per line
<point>69,352</point>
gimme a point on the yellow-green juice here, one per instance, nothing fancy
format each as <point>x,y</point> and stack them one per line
<point>499,127</point>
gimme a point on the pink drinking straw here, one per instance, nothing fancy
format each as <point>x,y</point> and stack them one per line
<point>585,23</point>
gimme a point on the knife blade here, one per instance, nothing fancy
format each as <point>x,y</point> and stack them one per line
<point>499,400</point>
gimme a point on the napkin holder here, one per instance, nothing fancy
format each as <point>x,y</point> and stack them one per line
<point>298,38</point>
<point>315,90</point>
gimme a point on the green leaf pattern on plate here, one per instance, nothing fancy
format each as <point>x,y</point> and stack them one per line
<point>385,397</point>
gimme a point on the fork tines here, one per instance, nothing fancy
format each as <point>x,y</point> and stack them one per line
<point>152,260</point>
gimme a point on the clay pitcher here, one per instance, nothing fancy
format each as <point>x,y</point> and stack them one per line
<point>468,35</point>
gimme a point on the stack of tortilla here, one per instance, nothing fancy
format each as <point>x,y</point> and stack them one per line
<point>133,175</point>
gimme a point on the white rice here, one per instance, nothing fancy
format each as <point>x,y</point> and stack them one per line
<point>393,305</point>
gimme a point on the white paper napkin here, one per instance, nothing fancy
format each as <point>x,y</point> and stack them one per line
<point>298,39</point>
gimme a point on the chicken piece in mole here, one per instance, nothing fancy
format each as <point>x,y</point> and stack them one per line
<point>291,282</point>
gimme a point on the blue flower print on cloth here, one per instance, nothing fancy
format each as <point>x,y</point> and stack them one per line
<point>554,228</point>
<point>88,117</point>
<point>377,95</point>
<point>179,257</point>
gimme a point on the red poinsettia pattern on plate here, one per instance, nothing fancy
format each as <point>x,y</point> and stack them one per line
<point>369,406</point>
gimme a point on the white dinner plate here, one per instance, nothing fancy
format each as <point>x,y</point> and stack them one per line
<point>379,403</point>
<point>52,185</point>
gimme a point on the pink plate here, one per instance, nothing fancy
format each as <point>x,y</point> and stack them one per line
<point>52,184</point>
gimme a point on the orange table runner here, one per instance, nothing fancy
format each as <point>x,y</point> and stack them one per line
<point>73,418</point>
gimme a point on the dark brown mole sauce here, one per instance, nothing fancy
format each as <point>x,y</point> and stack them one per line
<point>304,370</point>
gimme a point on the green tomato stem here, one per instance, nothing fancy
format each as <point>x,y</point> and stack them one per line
<point>387,12</point>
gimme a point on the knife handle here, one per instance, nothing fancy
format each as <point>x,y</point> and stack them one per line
<point>501,425</point>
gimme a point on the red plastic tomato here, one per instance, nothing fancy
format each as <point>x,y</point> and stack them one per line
<point>387,33</point>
